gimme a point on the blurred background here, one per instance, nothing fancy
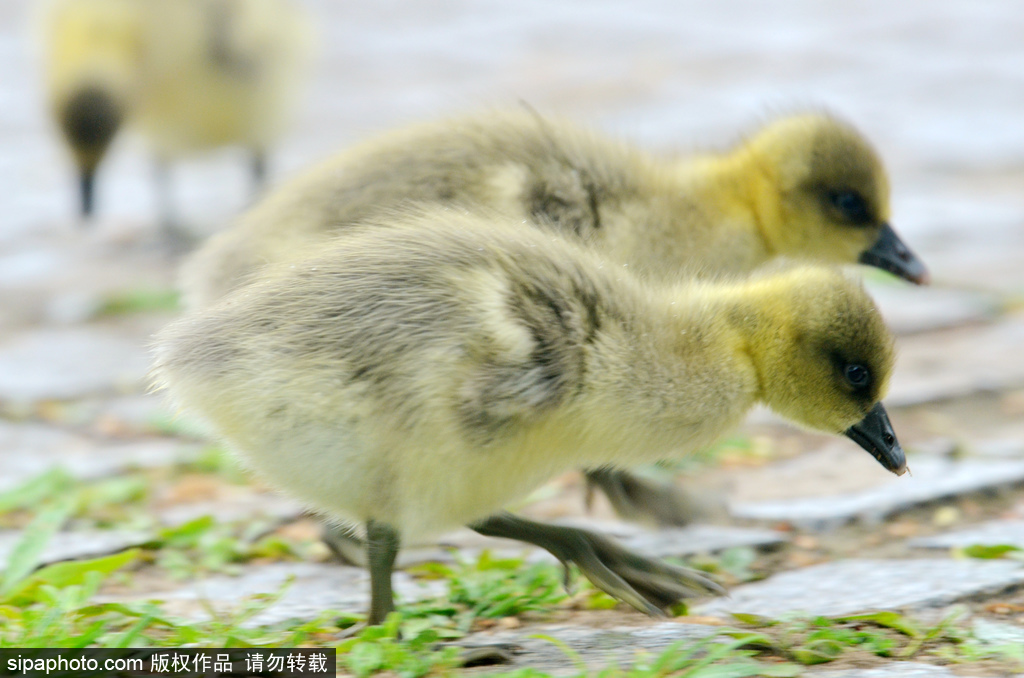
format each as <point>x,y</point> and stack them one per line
<point>937,85</point>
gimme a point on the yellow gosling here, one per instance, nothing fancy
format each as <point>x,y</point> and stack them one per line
<point>807,187</point>
<point>424,371</point>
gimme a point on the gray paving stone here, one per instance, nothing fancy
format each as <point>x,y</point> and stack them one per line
<point>958,256</point>
<point>316,587</point>
<point>997,633</point>
<point>596,647</point>
<point>909,309</point>
<point>65,278</point>
<point>139,413</point>
<point>852,586</point>
<point>31,449</point>
<point>1005,448</point>
<point>957,363</point>
<point>77,545</point>
<point>932,479</point>
<point>893,669</point>
<point>69,363</point>
<point>252,506</point>
<point>994,532</point>
<point>623,646</point>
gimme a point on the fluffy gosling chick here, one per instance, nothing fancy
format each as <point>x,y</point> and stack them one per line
<point>808,187</point>
<point>190,74</point>
<point>422,373</point>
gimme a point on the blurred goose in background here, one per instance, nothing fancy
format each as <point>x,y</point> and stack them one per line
<point>190,75</point>
<point>423,371</point>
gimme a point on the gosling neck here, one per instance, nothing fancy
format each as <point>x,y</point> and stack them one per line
<point>674,379</point>
<point>761,193</point>
<point>759,330</point>
<point>726,325</point>
<point>746,191</point>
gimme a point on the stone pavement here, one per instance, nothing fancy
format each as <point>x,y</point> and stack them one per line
<point>939,86</point>
<point>932,480</point>
<point>850,586</point>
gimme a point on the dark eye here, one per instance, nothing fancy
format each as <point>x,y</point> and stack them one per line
<point>857,375</point>
<point>852,206</point>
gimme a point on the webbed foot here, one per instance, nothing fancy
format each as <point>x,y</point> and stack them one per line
<point>642,499</point>
<point>647,584</point>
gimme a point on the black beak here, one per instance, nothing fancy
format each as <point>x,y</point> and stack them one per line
<point>874,433</point>
<point>890,254</point>
<point>87,181</point>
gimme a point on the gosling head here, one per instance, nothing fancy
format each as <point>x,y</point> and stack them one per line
<point>93,58</point>
<point>832,196</point>
<point>89,119</point>
<point>824,357</point>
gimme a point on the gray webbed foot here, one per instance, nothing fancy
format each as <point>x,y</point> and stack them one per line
<point>647,584</point>
<point>645,500</point>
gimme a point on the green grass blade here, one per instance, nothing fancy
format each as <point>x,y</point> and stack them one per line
<point>128,638</point>
<point>29,551</point>
<point>63,575</point>
<point>887,619</point>
<point>35,491</point>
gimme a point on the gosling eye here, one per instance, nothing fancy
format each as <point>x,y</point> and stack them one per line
<point>851,205</point>
<point>857,376</point>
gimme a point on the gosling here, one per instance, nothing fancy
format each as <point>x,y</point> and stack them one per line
<point>807,187</point>
<point>191,75</point>
<point>423,372</point>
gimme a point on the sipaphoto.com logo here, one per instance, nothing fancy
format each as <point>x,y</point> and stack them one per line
<point>76,664</point>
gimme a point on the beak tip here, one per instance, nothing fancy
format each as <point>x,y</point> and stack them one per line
<point>890,254</point>
<point>897,459</point>
<point>875,435</point>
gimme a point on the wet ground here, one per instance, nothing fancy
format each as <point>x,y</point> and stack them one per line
<point>938,85</point>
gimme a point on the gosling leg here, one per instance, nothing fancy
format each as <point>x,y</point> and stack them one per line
<point>382,545</point>
<point>647,584</point>
<point>642,500</point>
<point>259,171</point>
<point>165,202</point>
<point>87,192</point>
